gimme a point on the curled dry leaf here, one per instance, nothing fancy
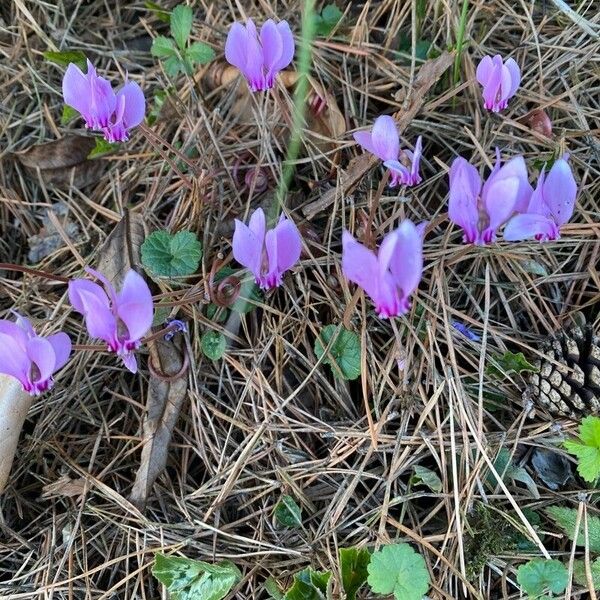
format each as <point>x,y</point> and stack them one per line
<point>167,385</point>
<point>323,116</point>
<point>14,405</point>
<point>64,162</point>
<point>64,487</point>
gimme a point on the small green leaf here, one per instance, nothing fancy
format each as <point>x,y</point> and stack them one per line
<point>534,267</point>
<point>160,314</point>
<point>200,53</point>
<point>539,576</point>
<point>187,579</point>
<point>65,57</point>
<point>173,65</point>
<point>161,13</point>
<point>426,477</point>
<point>273,589</point>
<point>342,351</point>
<point>163,47</point>
<point>102,147</point>
<point>353,565</point>
<point>288,513</point>
<point>507,470</point>
<point>566,518</point>
<point>397,569</point>
<point>588,450</point>
<point>326,22</point>
<point>309,585</point>
<point>168,255</point>
<point>213,344</point>
<point>509,362</point>
<point>68,114</point>
<point>181,24</point>
<point>580,576</point>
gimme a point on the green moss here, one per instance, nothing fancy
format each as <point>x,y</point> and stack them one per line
<point>487,535</point>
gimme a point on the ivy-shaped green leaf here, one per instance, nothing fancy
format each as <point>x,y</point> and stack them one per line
<point>171,255</point>
<point>397,569</point>
<point>424,476</point>
<point>539,576</point>
<point>187,579</point>
<point>353,565</point>
<point>288,513</point>
<point>341,348</point>
<point>214,344</point>
<point>309,585</point>
<point>509,362</point>
<point>587,450</point>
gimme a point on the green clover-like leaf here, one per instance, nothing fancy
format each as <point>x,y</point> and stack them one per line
<point>171,255</point>
<point>539,576</point>
<point>341,348</point>
<point>397,569</point>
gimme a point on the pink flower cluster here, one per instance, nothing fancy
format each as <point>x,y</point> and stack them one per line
<point>120,319</point>
<point>103,110</point>
<point>389,274</point>
<point>506,197</point>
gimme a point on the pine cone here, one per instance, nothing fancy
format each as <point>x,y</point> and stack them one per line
<point>568,381</point>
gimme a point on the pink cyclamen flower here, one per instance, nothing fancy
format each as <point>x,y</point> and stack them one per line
<point>390,275</point>
<point>121,319</point>
<point>383,141</point>
<point>30,358</point>
<point>268,254</point>
<point>500,81</point>
<point>102,109</point>
<point>260,58</point>
<point>551,205</point>
<point>482,208</point>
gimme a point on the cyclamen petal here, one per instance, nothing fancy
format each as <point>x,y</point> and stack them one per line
<point>383,141</point>
<point>499,80</point>
<point>102,109</point>
<point>482,209</point>
<point>268,254</point>
<point>551,205</point>
<point>260,58</point>
<point>121,319</point>
<point>390,275</point>
<point>30,358</point>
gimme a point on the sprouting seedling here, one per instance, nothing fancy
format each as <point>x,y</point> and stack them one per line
<point>176,53</point>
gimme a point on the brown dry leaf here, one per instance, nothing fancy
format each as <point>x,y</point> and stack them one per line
<point>163,405</point>
<point>65,486</point>
<point>64,162</point>
<point>166,393</point>
<point>358,167</point>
